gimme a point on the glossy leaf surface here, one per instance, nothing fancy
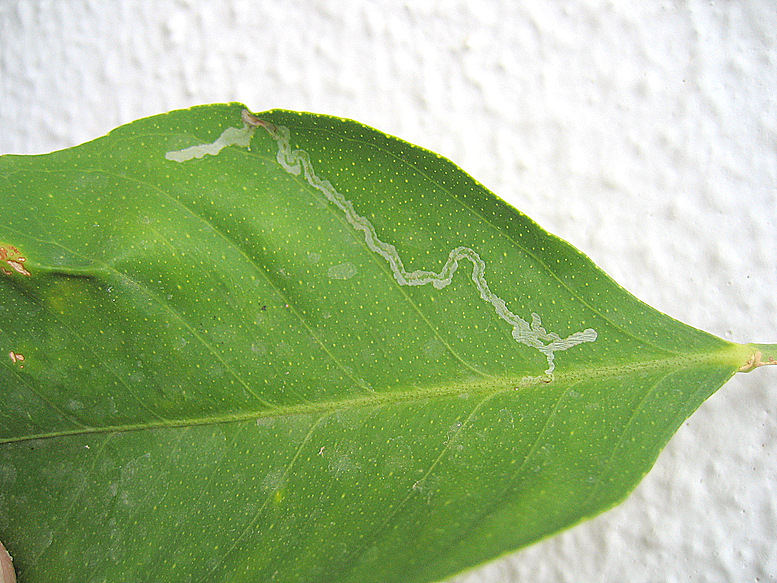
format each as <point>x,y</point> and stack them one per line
<point>288,347</point>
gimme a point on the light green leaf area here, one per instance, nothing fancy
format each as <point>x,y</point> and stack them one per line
<point>288,347</point>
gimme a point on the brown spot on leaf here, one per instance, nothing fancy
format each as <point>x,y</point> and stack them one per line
<point>12,261</point>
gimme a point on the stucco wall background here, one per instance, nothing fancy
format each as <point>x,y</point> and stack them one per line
<point>643,133</point>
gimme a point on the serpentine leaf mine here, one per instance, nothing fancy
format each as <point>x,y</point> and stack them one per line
<point>297,162</point>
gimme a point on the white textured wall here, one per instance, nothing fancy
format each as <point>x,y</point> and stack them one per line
<point>643,132</point>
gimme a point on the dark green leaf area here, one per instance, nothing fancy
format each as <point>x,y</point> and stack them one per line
<point>302,350</point>
<point>341,495</point>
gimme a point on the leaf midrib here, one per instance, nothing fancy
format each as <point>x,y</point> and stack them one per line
<point>730,357</point>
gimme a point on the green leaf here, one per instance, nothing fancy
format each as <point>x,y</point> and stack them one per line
<point>288,347</point>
